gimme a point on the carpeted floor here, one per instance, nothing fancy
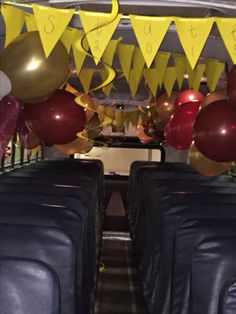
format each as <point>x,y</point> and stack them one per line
<point>119,290</point>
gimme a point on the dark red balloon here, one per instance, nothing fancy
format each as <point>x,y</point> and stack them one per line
<point>215,131</point>
<point>57,120</point>
<point>27,138</point>
<point>179,130</point>
<point>9,110</point>
<point>231,86</point>
<point>188,95</point>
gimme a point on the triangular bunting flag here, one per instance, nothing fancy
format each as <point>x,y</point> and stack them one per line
<point>180,68</point>
<point>127,119</point>
<point>98,35</point>
<point>68,37</point>
<point>119,118</point>
<point>199,71</point>
<point>214,70</point>
<point>193,34</point>
<point>152,79</point>
<point>125,54</point>
<point>14,20</point>
<point>138,61</point>
<point>85,77</point>
<point>169,80</point>
<point>136,72</point>
<point>134,81</point>
<point>109,52</point>
<point>227,28</point>
<point>161,62</point>
<point>51,24</point>
<point>134,117</point>
<point>31,24</point>
<point>150,32</point>
<point>79,56</point>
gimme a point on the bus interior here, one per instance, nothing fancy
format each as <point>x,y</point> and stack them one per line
<point>118,151</point>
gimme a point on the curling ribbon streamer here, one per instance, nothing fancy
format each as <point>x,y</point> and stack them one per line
<point>111,72</point>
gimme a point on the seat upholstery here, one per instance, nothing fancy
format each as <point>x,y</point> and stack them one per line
<point>213,264</point>
<point>28,287</point>
<point>48,245</point>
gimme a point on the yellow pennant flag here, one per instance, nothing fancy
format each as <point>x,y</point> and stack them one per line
<point>79,55</point>
<point>169,80</point>
<point>227,28</point>
<point>98,38</point>
<point>14,20</point>
<point>150,32</point>
<point>31,24</point>
<point>180,68</point>
<point>193,34</point>
<point>119,118</point>
<point>136,72</point>
<point>85,77</point>
<point>134,81</point>
<point>125,54</point>
<point>152,79</point>
<point>51,24</point>
<point>161,62</point>
<point>138,61</point>
<point>110,50</point>
<point>68,37</point>
<point>214,70</point>
<point>127,119</point>
<point>199,71</point>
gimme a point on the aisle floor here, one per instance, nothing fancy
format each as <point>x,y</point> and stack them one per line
<point>119,290</point>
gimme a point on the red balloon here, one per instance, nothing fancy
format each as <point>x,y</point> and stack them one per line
<point>215,131</point>
<point>231,85</point>
<point>188,95</point>
<point>57,120</point>
<point>179,130</point>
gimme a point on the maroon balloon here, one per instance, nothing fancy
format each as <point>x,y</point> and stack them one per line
<point>215,131</point>
<point>231,86</point>
<point>179,130</point>
<point>57,120</point>
<point>27,138</point>
<point>9,110</point>
<point>188,95</point>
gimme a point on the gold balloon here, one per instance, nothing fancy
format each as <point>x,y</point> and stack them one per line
<point>213,97</point>
<point>73,147</point>
<point>206,166</point>
<point>33,76</point>
<point>90,106</point>
<point>93,127</point>
<point>164,109</point>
